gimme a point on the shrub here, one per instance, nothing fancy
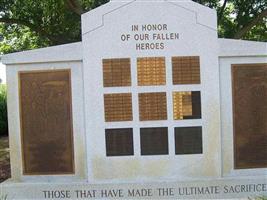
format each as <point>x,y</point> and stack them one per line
<point>3,111</point>
<point>259,198</point>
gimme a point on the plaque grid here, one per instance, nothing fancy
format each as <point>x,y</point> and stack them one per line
<point>150,94</point>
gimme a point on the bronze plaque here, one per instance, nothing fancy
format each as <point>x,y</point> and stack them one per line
<point>154,141</point>
<point>250,115</point>
<point>152,106</point>
<point>117,72</point>
<point>188,140</point>
<point>186,70</point>
<point>118,107</point>
<point>46,122</point>
<point>119,142</point>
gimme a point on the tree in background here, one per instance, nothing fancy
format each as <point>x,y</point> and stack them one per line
<point>29,24</point>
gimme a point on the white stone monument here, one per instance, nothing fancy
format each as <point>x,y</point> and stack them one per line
<point>150,105</point>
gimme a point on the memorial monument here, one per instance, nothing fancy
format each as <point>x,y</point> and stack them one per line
<point>149,105</point>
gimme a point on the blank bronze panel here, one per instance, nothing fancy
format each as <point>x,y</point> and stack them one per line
<point>188,140</point>
<point>118,107</point>
<point>119,142</point>
<point>154,141</point>
<point>186,70</point>
<point>46,122</point>
<point>152,106</point>
<point>186,105</point>
<point>151,71</point>
<point>117,72</point>
<point>250,115</point>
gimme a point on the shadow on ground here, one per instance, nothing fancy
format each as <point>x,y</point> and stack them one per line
<point>4,159</point>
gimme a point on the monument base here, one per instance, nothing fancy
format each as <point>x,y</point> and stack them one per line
<point>225,188</point>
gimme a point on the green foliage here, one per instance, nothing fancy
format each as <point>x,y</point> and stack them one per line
<point>18,38</point>
<point>3,111</point>
<point>238,14</point>
<point>3,197</point>
<point>30,24</point>
<point>258,198</point>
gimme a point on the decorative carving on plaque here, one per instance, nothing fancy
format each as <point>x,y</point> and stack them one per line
<point>46,122</point>
<point>250,115</point>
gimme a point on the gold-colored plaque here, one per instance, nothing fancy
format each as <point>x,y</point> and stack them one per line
<point>186,105</point>
<point>151,71</point>
<point>46,122</point>
<point>250,115</point>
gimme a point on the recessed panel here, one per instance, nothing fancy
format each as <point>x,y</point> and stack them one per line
<point>250,115</point>
<point>188,140</point>
<point>152,106</point>
<point>117,72</point>
<point>119,142</point>
<point>118,107</point>
<point>46,122</point>
<point>154,141</point>
<point>186,70</point>
<point>151,71</point>
<point>186,105</point>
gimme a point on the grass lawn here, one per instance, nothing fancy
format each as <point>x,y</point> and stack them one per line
<point>4,159</point>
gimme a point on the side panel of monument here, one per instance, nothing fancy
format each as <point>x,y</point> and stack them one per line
<point>243,84</point>
<point>46,129</point>
<point>154,93</point>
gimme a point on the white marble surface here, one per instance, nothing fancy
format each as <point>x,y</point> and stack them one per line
<point>3,73</point>
<point>102,30</point>
<point>78,122</point>
<point>227,116</point>
<point>241,48</point>
<point>211,189</point>
<point>61,53</point>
